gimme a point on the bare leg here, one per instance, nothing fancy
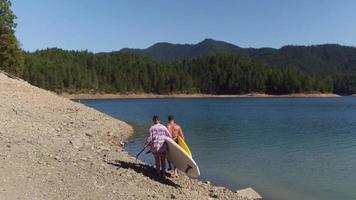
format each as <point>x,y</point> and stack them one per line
<point>163,165</point>
<point>158,164</point>
<point>175,172</point>
<point>169,165</point>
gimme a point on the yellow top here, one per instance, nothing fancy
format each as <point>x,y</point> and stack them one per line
<point>182,144</point>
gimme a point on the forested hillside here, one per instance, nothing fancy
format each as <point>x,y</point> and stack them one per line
<point>211,66</point>
<point>317,59</point>
<point>172,52</point>
<point>82,71</point>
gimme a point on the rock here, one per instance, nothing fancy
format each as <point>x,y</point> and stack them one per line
<point>219,188</point>
<point>208,182</point>
<point>88,134</point>
<point>214,195</point>
<point>77,143</point>
<point>173,196</point>
<point>249,193</point>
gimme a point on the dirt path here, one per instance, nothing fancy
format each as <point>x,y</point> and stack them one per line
<point>53,148</point>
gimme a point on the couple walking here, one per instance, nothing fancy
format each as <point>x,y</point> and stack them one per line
<point>156,141</point>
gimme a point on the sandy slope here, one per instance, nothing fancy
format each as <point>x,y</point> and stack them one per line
<point>53,148</point>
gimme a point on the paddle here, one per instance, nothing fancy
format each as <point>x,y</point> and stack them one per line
<point>143,149</point>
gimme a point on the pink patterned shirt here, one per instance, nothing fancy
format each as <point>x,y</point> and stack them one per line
<point>156,138</point>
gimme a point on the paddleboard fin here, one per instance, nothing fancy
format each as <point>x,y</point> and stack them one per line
<point>188,168</point>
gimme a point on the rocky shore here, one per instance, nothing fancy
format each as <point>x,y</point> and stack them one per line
<point>142,96</point>
<point>53,148</point>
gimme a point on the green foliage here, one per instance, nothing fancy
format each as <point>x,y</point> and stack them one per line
<point>116,72</point>
<point>210,66</point>
<point>11,59</point>
<point>172,52</point>
<point>345,84</point>
<point>323,68</point>
<point>317,60</point>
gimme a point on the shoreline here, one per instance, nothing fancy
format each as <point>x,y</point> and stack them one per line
<point>54,148</point>
<point>94,96</point>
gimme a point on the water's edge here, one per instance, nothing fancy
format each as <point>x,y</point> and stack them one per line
<point>129,139</point>
<point>285,148</point>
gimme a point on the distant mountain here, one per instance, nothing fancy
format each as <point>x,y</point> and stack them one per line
<point>170,52</point>
<point>323,59</point>
<point>326,59</point>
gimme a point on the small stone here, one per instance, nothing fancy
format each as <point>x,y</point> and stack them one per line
<point>249,193</point>
<point>77,143</point>
<point>88,134</point>
<point>173,196</point>
<point>208,182</point>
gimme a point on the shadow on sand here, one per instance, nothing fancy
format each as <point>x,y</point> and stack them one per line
<point>146,170</point>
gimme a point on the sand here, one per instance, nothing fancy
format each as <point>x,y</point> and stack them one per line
<point>54,148</point>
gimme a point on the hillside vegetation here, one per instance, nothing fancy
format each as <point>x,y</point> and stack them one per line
<point>212,67</point>
<point>316,59</point>
<point>117,72</point>
<point>332,62</point>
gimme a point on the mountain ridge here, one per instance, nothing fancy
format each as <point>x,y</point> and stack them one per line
<point>317,59</point>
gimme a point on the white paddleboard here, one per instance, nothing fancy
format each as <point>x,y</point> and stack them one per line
<point>181,159</point>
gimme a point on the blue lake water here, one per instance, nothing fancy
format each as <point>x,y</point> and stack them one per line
<point>285,148</point>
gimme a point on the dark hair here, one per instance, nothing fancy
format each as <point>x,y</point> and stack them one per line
<point>155,118</point>
<point>170,118</point>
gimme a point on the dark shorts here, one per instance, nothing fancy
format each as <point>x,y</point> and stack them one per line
<point>163,153</point>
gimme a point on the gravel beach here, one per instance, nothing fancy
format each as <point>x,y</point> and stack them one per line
<point>54,148</point>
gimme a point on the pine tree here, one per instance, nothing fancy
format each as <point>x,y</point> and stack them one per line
<point>11,58</point>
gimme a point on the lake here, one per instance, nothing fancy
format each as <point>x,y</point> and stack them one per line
<point>284,148</point>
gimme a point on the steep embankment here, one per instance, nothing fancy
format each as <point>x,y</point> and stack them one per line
<point>53,148</point>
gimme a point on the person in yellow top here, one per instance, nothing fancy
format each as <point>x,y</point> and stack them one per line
<point>175,131</point>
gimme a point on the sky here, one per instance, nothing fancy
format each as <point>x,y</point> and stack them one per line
<point>107,25</point>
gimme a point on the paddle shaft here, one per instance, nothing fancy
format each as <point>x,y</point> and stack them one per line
<point>142,150</point>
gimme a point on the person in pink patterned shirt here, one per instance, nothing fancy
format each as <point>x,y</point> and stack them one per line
<point>156,140</point>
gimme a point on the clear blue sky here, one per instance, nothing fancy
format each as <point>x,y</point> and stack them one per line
<point>106,25</point>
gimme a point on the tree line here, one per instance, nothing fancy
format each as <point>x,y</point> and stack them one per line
<point>117,72</point>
